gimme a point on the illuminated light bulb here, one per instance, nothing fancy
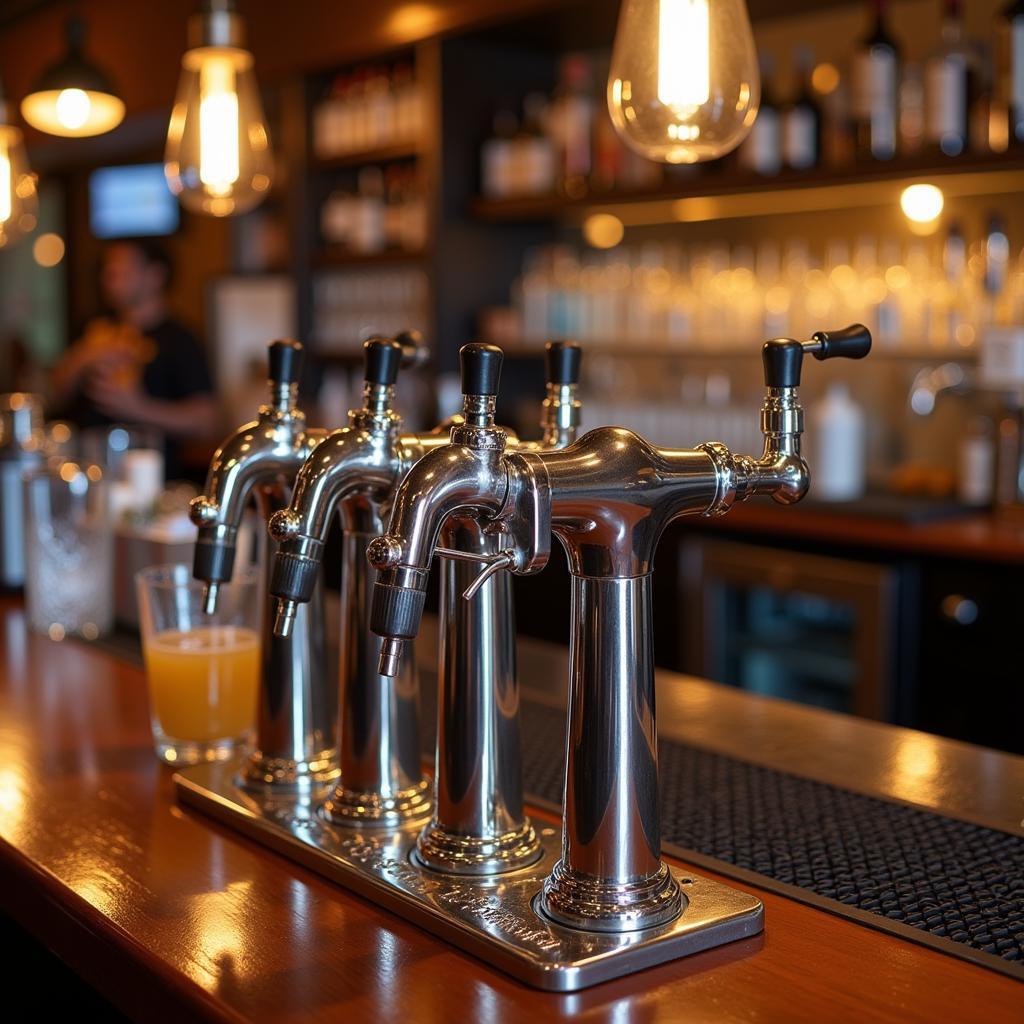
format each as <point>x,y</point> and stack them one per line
<point>18,202</point>
<point>218,158</point>
<point>922,205</point>
<point>684,83</point>
<point>73,97</point>
<point>603,230</point>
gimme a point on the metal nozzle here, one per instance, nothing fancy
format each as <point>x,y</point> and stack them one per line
<point>390,657</point>
<point>285,617</point>
<point>211,591</point>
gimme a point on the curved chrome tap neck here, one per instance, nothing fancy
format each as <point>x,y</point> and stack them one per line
<point>561,414</point>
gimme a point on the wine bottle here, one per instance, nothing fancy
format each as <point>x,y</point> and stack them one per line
<point>761,151</point>
<point>1011,71</point>
<point>801,125</point>
<point>876,69</point>
<point>954,84</point>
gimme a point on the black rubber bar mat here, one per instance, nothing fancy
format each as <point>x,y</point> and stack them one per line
<point>949,884</point>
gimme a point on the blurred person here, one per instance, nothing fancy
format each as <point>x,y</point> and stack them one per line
<point>137,365</point>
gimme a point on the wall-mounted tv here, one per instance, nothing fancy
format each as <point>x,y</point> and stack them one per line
<point>132,200</point>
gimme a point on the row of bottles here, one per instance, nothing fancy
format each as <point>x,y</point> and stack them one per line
<point>564,143</point>
<point>369,108</point>
<point>936,296</point>
<point>967,95</point>
<point>386,211</point>
<point>350,305</point>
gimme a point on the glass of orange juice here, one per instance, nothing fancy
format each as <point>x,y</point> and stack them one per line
<point>203,670</point>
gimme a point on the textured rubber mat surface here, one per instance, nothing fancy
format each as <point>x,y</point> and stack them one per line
<point>953,880</point>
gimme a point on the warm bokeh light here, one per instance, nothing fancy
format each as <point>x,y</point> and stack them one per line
<point>825,79</point>
<point>73,113</point>
<point>48,249</point>
<point>603,230</point>
<point>922,205</point>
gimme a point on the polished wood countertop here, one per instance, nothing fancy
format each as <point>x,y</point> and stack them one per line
<point>174,917</point>
<point>974,536</point>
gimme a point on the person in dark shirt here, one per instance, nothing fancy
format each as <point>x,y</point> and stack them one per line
<point>138,366</point>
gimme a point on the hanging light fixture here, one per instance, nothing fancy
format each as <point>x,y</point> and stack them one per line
<point>73,98</point>
<point>18,203</point>
<point>684,84</point>
<point>218,157</point>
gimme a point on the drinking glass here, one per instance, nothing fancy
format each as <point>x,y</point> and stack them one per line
<point>69,550</point>
<point>202,670</point>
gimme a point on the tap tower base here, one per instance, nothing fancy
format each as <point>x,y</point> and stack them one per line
<point>494,918</point>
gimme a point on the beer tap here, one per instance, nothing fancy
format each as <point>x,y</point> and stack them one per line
<point>479,825</point>
<point>354,471</point>
<point>296,718</point>
<point>608,498</point>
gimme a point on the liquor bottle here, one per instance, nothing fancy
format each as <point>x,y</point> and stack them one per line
<point>954,84</point>
<point>497,164</point>
<point>761,151</point>
<point>570,123</point>
<point>534,156</point>
<point>876,68</point>
<point>801,124</point>
<point>1010,72</point>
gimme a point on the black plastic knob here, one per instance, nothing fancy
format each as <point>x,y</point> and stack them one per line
<point>414,352</point>
<point>383,359</point>
<point>284,361</point>
<point>853,342</point>
<point>562,362</point>
<point>481,369</point>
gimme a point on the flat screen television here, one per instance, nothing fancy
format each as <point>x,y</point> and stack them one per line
<point>131,201</point>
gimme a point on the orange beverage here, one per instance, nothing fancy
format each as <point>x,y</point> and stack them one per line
<point>203,682</point>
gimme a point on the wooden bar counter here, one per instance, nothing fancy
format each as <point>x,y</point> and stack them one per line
<point>173,917</point>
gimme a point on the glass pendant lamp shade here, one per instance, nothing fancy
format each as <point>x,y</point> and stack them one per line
<point>218,158</point>
<point>73,98</point>
<point>684,84</point>
<point>18,202</point>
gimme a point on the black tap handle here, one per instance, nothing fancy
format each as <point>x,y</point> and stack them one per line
<point>783,357</point>
<point>481,369</point>
<point>284,359</point>
<point>853,342</point>
<point>562,362</point>
<point>414,352</point>
<point>383,359</point>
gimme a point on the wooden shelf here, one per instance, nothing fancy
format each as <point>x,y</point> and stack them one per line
<point>387,154</point>
<point>715,194</point>
<point>336,256</point>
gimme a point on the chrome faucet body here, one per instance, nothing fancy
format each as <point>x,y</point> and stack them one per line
<point>608,497</point>
<point>353,472</point>
<point>295,723</point>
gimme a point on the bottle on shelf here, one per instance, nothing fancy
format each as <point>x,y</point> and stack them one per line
<point>801,121</point>
<point>761,151</point>
<point>497,163</point>
<point>955,86</point>
<point>838,452</point>
<point>533,159</point>
<point>570,124</point>
<point>1007,123</point>
<point>912,110</point>
<point>876,75</point>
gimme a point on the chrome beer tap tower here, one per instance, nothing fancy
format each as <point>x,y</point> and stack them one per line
<point>295,723</point>
<point>559,912</point>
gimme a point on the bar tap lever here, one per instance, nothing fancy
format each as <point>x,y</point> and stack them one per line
<point>783,357</point>
<point>493,564</point>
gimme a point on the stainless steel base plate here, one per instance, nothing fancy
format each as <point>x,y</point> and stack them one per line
<point>493,918</point>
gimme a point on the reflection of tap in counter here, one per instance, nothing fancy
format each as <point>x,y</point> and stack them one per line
<point>607,497</point>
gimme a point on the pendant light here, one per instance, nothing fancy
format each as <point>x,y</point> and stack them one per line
<point>18,203</point>
<point>684,84</point>
<point>218,158</point>
<point>73,98</point>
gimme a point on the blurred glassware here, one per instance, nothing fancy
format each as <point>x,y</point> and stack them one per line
<point>21,449</point>
<point>68,550</point>
<point>202,670</point>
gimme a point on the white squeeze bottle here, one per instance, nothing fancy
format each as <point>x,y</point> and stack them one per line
<point>837,470</point>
